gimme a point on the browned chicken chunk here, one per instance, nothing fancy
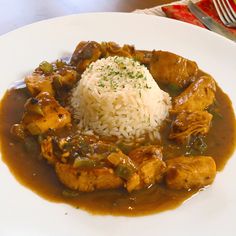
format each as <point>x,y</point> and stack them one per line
<point>87,52</point>
<point>43,113</point>
<point>100,165</point>
<point>144,57</point>
<point>85,166</point>
<point>39,83</point>
<point>87,180</point>
<point>151,168</point>
<point>190,123</point>
<point>47,150</point>
<point>113,49</point>
<point>190,172</point>
<point>169,68</point>
<point>84,54</point>
<point>65,79</point>
<point>198,96</point>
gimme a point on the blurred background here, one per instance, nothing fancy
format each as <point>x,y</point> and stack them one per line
<point>16,13</point>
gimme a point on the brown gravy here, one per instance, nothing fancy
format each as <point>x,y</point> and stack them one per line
<point>34,173</point>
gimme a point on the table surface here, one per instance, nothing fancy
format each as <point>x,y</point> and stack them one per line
<point>17,13</point>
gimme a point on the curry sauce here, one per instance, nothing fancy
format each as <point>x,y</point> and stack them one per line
<point>31,170</point>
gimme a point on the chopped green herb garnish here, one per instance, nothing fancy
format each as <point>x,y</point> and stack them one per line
<point>118,73</point>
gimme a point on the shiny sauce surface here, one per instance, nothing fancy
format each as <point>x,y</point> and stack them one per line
<point>31,170</point>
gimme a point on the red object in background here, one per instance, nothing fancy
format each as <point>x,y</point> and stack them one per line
<point>181,12</point>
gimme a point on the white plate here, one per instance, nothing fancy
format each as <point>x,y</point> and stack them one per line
<point>22,212</point>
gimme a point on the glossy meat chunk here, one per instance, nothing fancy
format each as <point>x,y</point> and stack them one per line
<point>144,57</point>
<point>190,172</point>
<point>44,113</point>
<point>84,54</point>
<point>47,150</point>
<point>169,68</point>
<point>198,96</point>
<point>151,168</point>
<point>81,162</point>
<point>140,154</point>
<point>113,49</point>
<point>87,180</point>
<point>65,79</point>
<point>101,164</point>
<point>88,52</point>
<point>39,83</point>
<point>190,123</point>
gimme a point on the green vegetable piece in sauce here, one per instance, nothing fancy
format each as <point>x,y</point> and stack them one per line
<point>196,146</point>
<point>31,145</point>
<point>70,193</point>
<point>60,63</point>
<point>200,145</point>
<point>33,106</point>
<point>57,82</point>
<point>46,67</point>
<point>214,110</point>
<point>36,109</point>
<point>174,89</point>
<point>86,163</point>
<point>216,114</point>
<point>124,171</point>
<point>40,138</point>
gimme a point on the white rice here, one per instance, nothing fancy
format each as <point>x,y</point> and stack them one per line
<point>117,96</point>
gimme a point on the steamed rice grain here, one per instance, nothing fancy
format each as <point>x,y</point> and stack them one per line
<point>117,96</point>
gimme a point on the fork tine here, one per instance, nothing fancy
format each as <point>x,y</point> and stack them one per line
<point>219,7</point>
<point>228,13</point>
<point>225,12</point>
<point>231,10</point>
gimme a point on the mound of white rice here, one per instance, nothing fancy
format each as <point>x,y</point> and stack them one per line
<point>117,96</point>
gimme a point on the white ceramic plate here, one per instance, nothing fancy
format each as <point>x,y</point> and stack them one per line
<point>22,212</point>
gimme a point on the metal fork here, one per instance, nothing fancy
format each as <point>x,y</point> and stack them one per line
<point>225,12</point>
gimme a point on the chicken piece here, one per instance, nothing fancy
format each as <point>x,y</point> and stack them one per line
<point>113,49</point>
<point>151,168</point>
<point>169,68</point>
<point>37,83</point>
<point>190,123</point>
<point>60,76</point>
<point>130,49</point>
<point>190,172</point>
<point>65,79</point>
<point>84,167</point>
<point>44,113</point>
<point>197,97</point>
<point>144,57</point>
<point>47,150</point>
<point>87,180</point>
<point>84,54</point>
<point>87,52</point>
<point>134,183</point>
